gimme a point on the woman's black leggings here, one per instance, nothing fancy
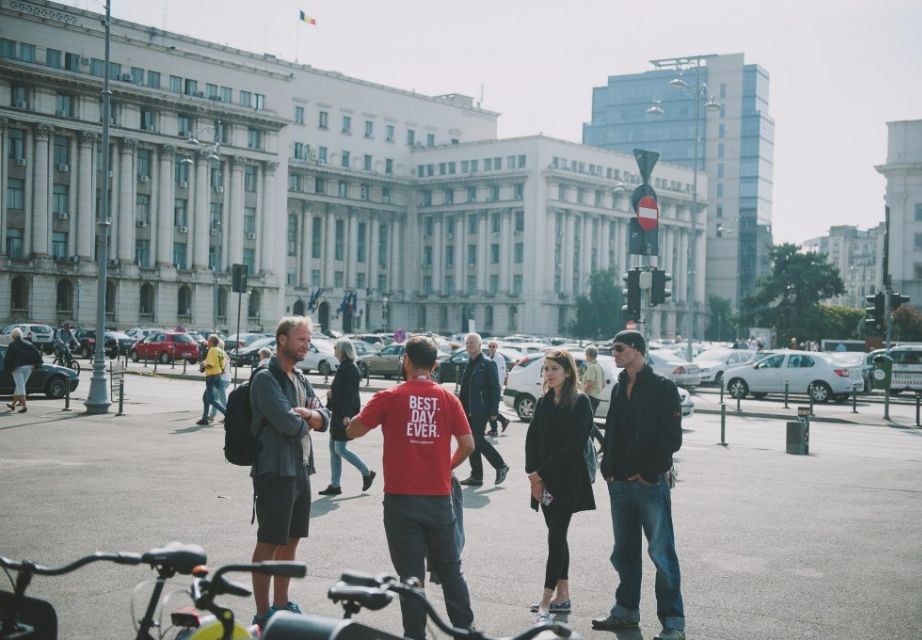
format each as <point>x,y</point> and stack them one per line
<point>558,553</point>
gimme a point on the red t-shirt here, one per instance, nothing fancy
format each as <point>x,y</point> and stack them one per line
<point>418,418</point>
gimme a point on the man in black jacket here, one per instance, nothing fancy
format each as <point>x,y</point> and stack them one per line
<point>642,431</point>
<point>480,399</point>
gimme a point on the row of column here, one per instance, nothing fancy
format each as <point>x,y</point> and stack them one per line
<point>83,178</point>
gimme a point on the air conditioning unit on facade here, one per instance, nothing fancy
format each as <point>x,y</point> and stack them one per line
<point>214,232</point>
<point>143,179</point>
<point>141,224</point>
<point>62,215</point>
<point>183,184</point>
<point>63,168</point>
<point>219,188</point>
<point>126,77</point>
<point>251,236</point>
<point>183,229</point>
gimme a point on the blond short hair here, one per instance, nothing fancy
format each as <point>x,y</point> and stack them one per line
<point>288,323</point>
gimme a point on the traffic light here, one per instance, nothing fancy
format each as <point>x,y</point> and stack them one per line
<point>239,278</point>
<point>631,308</point>
<point>896,299</point>
<point>659,292</point>
<point>874,312</point>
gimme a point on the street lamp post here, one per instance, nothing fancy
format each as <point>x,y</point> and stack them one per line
<point>697,92</point>
<point>97,401</point>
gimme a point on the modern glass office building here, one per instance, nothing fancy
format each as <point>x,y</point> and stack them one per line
<point>736,153</point>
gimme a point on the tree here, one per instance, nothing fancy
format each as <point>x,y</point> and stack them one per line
<point>721,323</point>
<point>599,315</point>
<point>907,324</point>
<point>788,299</point>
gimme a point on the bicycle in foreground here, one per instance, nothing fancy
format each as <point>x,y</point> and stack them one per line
<point>25,618</point>
<point>356,591</point>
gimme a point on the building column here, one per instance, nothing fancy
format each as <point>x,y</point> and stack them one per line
<point>4,123</point>
<point>569,262</point>
<point>235,213</point>
<point>200,212</point>
<point>352,263</point>
<point>374,230</point>
<point>269,259</point>
<point>506,251</point>
<point>604,243</point>
<point>165,191</point>
<point>306,248</point>
<point>394,276</point>
<point>585,246</point>
<point>125,248</point>
<point>438,276</point>
<point>86,216</point>
<point>41,187</point>
<point>329,261</point>
<point>483,248</point>
<point>71,198</point>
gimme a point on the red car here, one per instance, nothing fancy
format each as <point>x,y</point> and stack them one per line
<point>166,346</point>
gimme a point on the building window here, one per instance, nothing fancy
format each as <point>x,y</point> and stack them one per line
<point>179,255</point>
<point>175,84</point>
<point>471,254</point>
<point>254,138</point>
<point>53,58</point>
<point>253,305</point>
<point>386,195</point>
<point>181,212</point>
<point>389,166</point>
<point>340,240</point>
<point>292,237</point>
<point>19,294</point>
<point>366,162</point>
<point>316,238</point>
<point>382,245</point>
<point>190,87</point>
<point>215,216</point>
<point>517,285</point>
<point>97,67</point>
<point>322,155</point>
<point>918,212</point>
<point>294,182</point>
<point>182,175</point>
<point>249,259</point>
<point>211,91</point>
<point>143,165</point>
<point>323,121</point>
<point>494,285</point>
<point>338,279</point>
<point>59,245</point>
<point>299,115</point>
<point>918,241</point>
<point>411,137</point>
<point>343,189</point>
<point>369,129</point>
<point>495,223</point>
<point>142,252</point>
<point>15,193</point>
<point>184,301</point>
<point>142,208</point>
<point>153,79</point>
<point>346,159</point>
<point>518,254</point>
<point>249,179</point>
<point>520,220</point>
<point>430,140</point>
<point>450,256</point>
<point>148,120</point>
<point>64,105</point>
<point>246,98</point>
<point>60,199</point>
<point>184,125</point>
<point>389,133</point>
<point>320,186</point>
<point>427,256</point>
<point>315,277</point>
<point>347,124</point>
<point>360,244</point>
<point>249,219</point>
<point>494,254</point>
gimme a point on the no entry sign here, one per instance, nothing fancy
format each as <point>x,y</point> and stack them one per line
<point>647,213</point>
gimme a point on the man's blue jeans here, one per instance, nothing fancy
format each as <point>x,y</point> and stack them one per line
<point>416,526</point>
<point>636,508</point>
<point>209,398</point>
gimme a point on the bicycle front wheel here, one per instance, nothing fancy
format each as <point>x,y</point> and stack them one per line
<point>212,630</point>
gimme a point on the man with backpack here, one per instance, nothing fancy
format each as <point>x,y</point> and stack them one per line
<point>284,410</point>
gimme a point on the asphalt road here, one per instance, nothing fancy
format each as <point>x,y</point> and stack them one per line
<point>771,545</point>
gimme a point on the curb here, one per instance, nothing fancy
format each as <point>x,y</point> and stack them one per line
<point>858,419</point>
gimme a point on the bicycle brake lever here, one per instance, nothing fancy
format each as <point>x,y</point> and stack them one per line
<point>221,585</point>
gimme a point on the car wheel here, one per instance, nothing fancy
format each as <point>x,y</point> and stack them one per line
<point>737,388</point>
<point>324,368</point>
<point>719,379</point>
<point>819,391</point>
<point>56,387</point>
<point>525,407</point>
<point>134,356</point>
<point>164,358</point>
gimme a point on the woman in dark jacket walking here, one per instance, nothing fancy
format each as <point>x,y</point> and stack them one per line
<point>343,402</point>
<point>560,482</point>
<point>21,358</point>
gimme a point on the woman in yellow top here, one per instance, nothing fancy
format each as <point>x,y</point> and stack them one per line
<point>212,367</point>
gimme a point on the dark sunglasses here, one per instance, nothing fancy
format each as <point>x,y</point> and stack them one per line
<point>618,347</point>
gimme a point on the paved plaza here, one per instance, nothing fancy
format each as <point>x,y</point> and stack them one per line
<point>772,545</point>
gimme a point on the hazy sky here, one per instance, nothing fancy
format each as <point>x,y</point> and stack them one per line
<point>839,69</point>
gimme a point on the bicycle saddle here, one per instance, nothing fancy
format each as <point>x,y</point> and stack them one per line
<point>181,558</point>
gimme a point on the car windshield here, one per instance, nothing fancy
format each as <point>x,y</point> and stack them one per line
<point>182,337</point>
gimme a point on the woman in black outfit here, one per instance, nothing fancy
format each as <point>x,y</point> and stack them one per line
<point>557,471</point>
<point>343,402</point>
<point>21,358</point>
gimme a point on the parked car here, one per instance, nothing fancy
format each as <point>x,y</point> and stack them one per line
<point>319,358</point>
<point>249,355</point>
<point>714,362</point>
<point>810,372</point>
<point>671,365</point>
<point>142,332</point>
<point>166,346</point>
<point>386,362</point>
<point>450,368</point>
<point>374,340</point>
<point>117,343</point>
<point>234,341</point>
<point>907,368</point>
<point>41,335</point>
<point>49,379</point>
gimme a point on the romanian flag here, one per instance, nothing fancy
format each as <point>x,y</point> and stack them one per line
<point>303,17</point>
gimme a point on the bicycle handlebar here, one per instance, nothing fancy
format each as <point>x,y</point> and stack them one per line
<point>28,566</point>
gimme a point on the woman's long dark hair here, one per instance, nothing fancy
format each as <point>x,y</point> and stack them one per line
<point>569,391</point>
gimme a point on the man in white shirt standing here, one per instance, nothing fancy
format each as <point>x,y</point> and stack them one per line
<point>497,357</point>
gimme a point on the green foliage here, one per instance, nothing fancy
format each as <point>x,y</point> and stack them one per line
<point>599,315</point>
<point>721,321</point>
<point>788,299</point>
<point>837,321</point>
<point>907,324</point>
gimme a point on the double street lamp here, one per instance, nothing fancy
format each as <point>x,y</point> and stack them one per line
<point>698,91</point>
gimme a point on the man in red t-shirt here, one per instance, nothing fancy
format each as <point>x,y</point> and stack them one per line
<point>418,420</point>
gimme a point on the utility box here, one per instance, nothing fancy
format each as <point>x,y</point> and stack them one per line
<point>882,373</point>
<point>798,439</point>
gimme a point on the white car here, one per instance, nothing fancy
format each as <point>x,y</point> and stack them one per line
<point>714,362</point>
<point>810,372</point>
<point>319,358</point>
<point>524,386</point>
<point>670,365</point>
<point>41,335</point>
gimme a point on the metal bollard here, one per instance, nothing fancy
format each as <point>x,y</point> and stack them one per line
<point>184,361</point>
<point>67,400</point>
<point>145,362</point>
<point>172,362</point>
<point>721,393</point>
<point>121,397</point>
<point>811,402</point>
<point>738,398</point>
<point>918,396</point>
<point>156,360</point>
<point>723,425</point>
<point>855,401</point>
<point>787,385</point>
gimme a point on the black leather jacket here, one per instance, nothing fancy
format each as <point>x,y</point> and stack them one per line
<point>642,433</point>
<point>480,390</point>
